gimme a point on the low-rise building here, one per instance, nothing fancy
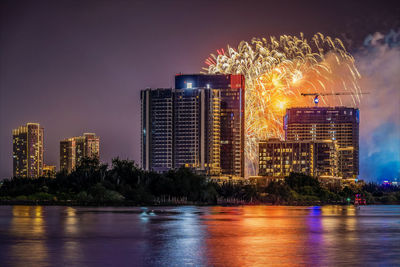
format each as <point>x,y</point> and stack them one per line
<point>279,158</point>
<point>49,171</point>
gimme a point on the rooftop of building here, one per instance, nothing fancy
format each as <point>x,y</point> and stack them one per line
<point>322,108</point>
<point>24,128</point>
<point>79,137</point>
<point>277,140</point>
<point>158,88</point>
<point>215,81</point>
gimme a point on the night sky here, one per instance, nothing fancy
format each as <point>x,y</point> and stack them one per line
<point>78,66</point>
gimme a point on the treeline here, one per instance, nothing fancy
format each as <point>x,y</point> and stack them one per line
<point>303,189</point>
<point>93,183</point>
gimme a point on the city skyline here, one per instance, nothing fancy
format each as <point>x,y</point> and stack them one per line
<point>92,81</point>
<point>199,133</point>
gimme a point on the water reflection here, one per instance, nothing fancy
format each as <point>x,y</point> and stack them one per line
<point>71,246</point>
<point>28,223</point>
<point>177,238</point>
<point>200,236</point>
<point>255,236</point>
<point>315,237</point>
<point>340,232</point>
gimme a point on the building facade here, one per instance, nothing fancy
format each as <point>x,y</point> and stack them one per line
<point>67,155</point>
<point>195,124</point>
<point>315,158</point>
<point>28,151</point>
<point>74,149</point>
<point>196,116</point>
<point>176,129</point>
<point>231,120</point>
<point>340,124</point>
<point>157,129</point>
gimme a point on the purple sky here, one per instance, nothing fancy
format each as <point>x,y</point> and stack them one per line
<point>78,66</point>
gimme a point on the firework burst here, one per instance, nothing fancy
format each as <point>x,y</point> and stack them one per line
<point>277,71</point>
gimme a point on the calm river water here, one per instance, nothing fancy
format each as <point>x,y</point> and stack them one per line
<point>200,236</point>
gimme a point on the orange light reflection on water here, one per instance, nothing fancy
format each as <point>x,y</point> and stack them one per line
<point>28,222</point>
<point>276,235</point>
<point>267,236</point>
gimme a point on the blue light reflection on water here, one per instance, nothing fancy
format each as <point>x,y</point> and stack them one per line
<point>315,241</point>
<point>175,238</point>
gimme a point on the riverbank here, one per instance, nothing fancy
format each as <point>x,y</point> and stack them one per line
<point>72,203</point>
<point>124,184</point>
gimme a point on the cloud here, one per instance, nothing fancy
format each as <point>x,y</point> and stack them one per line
<point>379,65</point>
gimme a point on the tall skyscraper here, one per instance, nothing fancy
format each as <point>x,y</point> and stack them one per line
<point>92,145</point>
<point>340,124</point>
<point>28,150</point>
<point>232,131</point>
<point>177,128</point>
<point>157,129</point>
<point>67,154</point>
<point>199,124</point>
<point>74,149</point>
<point>196,130</point>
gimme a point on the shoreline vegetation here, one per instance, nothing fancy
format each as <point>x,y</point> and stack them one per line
<point>125,184</point>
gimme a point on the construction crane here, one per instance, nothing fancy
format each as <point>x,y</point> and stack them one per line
<point>316,95</point>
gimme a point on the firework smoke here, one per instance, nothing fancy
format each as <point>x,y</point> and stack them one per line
<point>277,71</point>
<point>379,64</point>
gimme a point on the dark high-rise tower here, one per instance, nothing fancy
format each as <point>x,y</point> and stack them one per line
<point>177,127</point>
<point>28,150</point>
<point>328,123</point>
<point>196,120</point>
<point>199,124</point>
<point>231,90</point>
<point>157,129</point>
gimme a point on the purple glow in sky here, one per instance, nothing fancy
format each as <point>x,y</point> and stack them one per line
<point>78,66</point>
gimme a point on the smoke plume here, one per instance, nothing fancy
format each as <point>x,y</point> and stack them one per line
<point>379,64</point>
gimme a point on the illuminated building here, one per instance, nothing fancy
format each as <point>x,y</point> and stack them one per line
<point>340,124</point>
<point>67,155</point>
<point>28,151</point>
<point>157,129</point>
<point>231,120</point>
<point>49,171</point>
<point>199,124</point>
<point>74,149</point>
<point>87,146</point>
<point>196,128</point>
<point>315,158</point>
<point>177,129</point>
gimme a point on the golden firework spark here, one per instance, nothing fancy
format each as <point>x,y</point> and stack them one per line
<point>277,71</point>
